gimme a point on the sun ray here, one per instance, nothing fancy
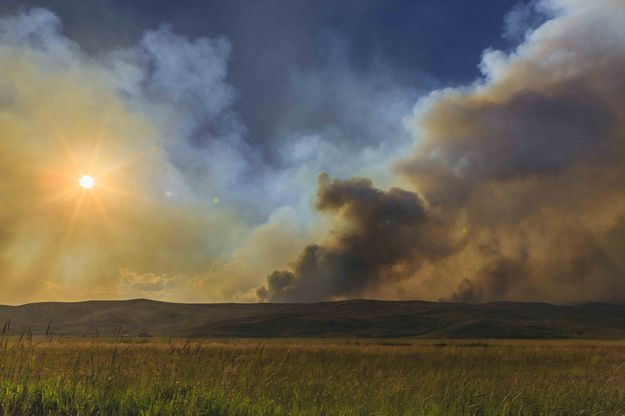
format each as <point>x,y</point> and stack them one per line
<point>74,216</point>
<point>95,153</point>
<point>122,192</point>
<point>122,164</point>
<point>100,207</point>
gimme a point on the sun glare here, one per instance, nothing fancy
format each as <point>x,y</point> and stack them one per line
<point>86,182</point>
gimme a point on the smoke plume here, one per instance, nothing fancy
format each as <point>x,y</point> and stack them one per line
<point>510,188</point>
<point>379,238</point>
<point>514,187</point>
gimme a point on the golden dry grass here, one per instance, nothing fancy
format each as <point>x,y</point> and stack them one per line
<point>311,377</point>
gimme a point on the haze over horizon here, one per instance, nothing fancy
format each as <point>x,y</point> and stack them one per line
<point>305,151</point>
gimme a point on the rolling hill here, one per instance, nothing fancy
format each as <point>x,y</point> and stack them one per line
<point>352,318</point>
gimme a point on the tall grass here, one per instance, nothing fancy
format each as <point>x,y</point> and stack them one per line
<point>119,377</point>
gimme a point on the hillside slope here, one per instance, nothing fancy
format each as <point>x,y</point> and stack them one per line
<point>353,318</point>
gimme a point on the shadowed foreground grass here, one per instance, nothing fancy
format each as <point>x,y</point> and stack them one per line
<point>70,377</point>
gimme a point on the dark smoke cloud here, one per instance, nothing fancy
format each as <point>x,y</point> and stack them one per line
<point>380,238</point>
<point>520,178</point>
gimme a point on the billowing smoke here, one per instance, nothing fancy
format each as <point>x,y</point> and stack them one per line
<point>513,188</point>
<point>154,124</point>
<point>63,114</point>
<point>519,178</point>
<point>184,206</point>
<point>380,238</point>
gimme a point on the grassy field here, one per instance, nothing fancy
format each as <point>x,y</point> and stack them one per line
<point>311,377</point>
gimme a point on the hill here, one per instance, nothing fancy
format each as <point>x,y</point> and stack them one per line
<point>352,318</point>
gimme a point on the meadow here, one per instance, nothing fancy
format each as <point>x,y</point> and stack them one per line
<point>52,376</point>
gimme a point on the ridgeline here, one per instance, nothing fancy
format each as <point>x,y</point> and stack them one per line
<point>344,319</point>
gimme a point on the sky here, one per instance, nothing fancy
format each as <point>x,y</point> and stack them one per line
<point>298,151</point>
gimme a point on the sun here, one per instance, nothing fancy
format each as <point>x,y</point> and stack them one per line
<point>86,182</point>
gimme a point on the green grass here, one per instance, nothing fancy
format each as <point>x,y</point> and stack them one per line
<point>309,377</point>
